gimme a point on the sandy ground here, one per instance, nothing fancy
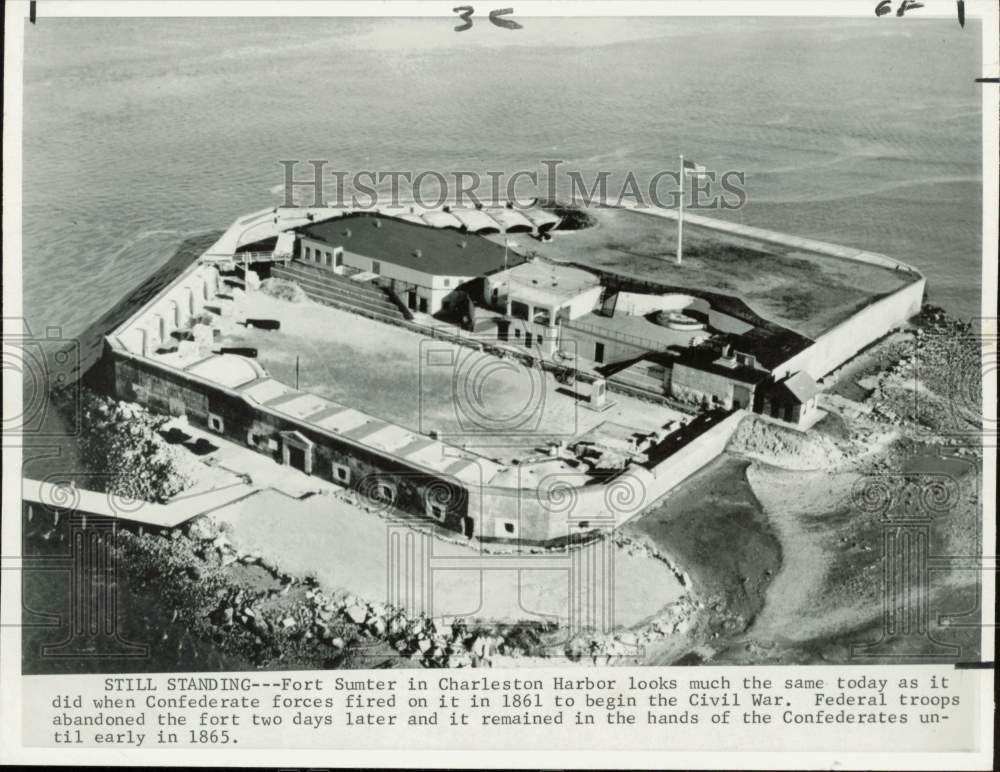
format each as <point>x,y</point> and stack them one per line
<point>829,594</point>
<point>493,406</point>
<point>351,550</point>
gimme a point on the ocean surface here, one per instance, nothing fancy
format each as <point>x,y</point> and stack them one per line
<point>139,134</point>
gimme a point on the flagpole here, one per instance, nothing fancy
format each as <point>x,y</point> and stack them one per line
<point>680,218</point>
<point>506,271</point>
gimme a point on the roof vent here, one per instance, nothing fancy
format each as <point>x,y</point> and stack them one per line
<point>463,244</point>
<point>347,232</point>
<point>378,223</point>
<point>418,253</point>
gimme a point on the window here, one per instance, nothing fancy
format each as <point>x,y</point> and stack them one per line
<point>447,282</point>
<point>308,253</point>
<point>508,528</point>
<point>599,352</point>
<point>341,473</point>
<point>376,267</point>
<point>338,257</point>
<point>215,423</point>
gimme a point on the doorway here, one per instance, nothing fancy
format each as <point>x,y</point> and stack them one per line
<point>297,458</point>
<point>297,451</point>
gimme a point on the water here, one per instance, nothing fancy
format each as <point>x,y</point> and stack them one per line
<point>142,133</point>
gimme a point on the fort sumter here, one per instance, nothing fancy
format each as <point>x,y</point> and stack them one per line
<point>552,392</point>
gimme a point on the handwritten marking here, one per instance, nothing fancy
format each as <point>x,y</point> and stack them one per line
<point>505,23</point>
<point>465,14</point>
<point>496,17</point>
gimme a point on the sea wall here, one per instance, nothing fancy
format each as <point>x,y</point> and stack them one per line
<point>677,467</point>
<point>834,347</point>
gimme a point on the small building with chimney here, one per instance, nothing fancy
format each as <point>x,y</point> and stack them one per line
<point>716,379</point>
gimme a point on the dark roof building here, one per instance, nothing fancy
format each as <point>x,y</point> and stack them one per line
<point>796,389</point>
<point>423,248</point>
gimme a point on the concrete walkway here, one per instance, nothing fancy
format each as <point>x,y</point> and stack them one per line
<point>174,513</point>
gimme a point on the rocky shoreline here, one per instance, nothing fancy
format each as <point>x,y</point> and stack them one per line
<point>247,608</point>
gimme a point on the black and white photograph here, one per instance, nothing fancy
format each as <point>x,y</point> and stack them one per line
<point>654,350</point>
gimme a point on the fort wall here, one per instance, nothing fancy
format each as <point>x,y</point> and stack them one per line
<point>532,510</point>
<point>843,341</point>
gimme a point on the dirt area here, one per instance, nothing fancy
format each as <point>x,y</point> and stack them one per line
<point>827,600</point>
<point>806,292</point>
<point>786,537</point>
<point>714,527</point>
<point>493,406</point>
<point>347,549</point>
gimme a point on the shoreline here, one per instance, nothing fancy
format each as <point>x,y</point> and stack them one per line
<point>244,604</point>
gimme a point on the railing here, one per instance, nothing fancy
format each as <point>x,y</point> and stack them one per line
<point>647,344</point>
<point>245,258</point>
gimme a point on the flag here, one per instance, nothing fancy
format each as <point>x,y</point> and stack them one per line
<point>695,170</point>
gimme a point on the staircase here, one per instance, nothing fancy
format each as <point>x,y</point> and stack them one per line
<point>609,299</point>
<point>324,286</point>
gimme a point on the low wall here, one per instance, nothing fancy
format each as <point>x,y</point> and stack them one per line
<point>834,347</point>
<point>639,304</point>
<point>568,503</point>
<point>677,467</point>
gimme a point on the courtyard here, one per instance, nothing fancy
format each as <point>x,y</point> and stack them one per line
<point>493,406</point>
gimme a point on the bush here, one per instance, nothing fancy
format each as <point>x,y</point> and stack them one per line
<point>122,441</point>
